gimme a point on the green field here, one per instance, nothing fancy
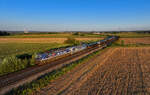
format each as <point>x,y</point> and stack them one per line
<point>8,49</point>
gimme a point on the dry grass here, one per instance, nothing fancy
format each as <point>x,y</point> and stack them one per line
<point>125,72</point>
<point>145,40</point>
<point>32,40</point>
<point>40,40</point>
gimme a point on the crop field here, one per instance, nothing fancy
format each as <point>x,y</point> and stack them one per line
<point>145,40</point>
<point>124,75</point>
<point>38,36</point>
<point>123,71</point>
<point>32,40</point>
<point>14,46</point>
<point>129,34</point>
<point>79,35</point>
<point>118,71</point>
<point>54,35</point>
<point>41,40</point>
<point>7,49</point>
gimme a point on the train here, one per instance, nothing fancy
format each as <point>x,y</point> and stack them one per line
<point>52,55</point>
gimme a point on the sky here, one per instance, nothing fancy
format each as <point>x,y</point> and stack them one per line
<point>74,15</point>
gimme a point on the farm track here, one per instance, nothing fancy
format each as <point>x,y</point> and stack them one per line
<point>18,78</point>
<point>119,71</point>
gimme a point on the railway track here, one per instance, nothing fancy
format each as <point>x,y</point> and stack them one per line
<point>16,79</point>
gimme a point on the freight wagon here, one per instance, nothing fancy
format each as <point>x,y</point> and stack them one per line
<point>49,56</point>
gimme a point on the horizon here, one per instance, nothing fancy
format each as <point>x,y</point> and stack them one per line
<point>65,15</point>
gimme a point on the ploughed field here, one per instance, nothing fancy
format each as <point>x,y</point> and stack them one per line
<point>118,71</point>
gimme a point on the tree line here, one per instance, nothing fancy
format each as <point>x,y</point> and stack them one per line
<point>3,33</point>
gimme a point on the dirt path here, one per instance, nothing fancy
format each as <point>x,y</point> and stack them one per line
<point>120,71</point>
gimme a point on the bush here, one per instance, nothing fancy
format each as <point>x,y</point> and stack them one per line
<point>76,33</point>
<point>10,64</point>
<point>32,60</point>
<point>122,42</point>
<point>16,63</point>
<point>82,34</point>
<point>24,56</point>
<point>72,41</point>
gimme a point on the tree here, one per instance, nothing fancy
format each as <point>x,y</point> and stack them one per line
<point>72,41</point>
<point>76,33</point>
<point>12,64</point>
<point>4,33</point>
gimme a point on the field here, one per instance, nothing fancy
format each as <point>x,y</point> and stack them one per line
<point>21,44</point>
<point>126,75</point>
<point>14,46</point>
<point>119,71</point>
<point>7,49</point>
<point>79,35</point>
<point>129,34</point>
<point>54,35</point>
<point>145,40</point>
<point>41,40</point>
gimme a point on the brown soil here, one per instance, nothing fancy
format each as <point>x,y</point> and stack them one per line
<point>119,71</point>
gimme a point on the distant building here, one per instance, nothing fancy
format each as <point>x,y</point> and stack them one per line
<point>96,33</point>
<point>25,31</point>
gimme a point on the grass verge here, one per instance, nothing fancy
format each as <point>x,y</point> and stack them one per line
<point>44,80</point>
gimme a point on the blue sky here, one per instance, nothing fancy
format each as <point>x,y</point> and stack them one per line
<point>62,15</point>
